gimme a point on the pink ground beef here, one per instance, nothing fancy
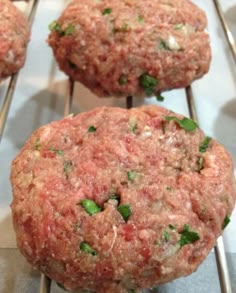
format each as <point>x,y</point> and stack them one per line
<point>178,196</point>
<point>109,45</point>
<point>14,37</point>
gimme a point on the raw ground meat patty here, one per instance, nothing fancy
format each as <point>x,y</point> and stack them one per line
<point>131,47</point>
<point>115,200</point>
<point>14,37</point>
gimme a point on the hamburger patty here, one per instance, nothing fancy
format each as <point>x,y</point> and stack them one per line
<point>14,37</point>
<point>131,47</point>
<point>116,200</point>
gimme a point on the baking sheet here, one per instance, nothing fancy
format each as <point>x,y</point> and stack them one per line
<point>39,99</point>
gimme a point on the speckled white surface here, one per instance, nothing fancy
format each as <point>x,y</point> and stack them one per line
<point>40,91</point>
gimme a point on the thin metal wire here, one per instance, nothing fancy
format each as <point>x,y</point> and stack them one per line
<point>228,33</point>
<point>222,266</point>
<point>69,98</point>
<point>220,255</point>
<point>45,284</point>
<point>129,102</point>
<point>11,88</point>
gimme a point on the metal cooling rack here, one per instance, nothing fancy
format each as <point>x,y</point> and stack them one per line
<point>219,250</point>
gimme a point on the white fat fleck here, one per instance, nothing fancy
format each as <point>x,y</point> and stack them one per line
<point>10,57</point>
<point>36,153</point>
<point>166,270</point>
<point>45,133</point>
<point>114,238</point>
<point>188,29</point>
<point>188,205</point>
<point>172,43</point>
<point>146,134</point>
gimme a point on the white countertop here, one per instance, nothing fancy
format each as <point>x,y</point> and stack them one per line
<point>41,87</point>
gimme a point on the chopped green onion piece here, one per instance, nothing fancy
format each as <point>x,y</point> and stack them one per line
<point>124,27</point>
<point>59,152</point>
<point>179,26</point>
<point>90,206</point>
<point>171,227</point>
<point>125,211</point>
<point>140,19</point>
<point>200,164</point>
<point>166,235</point>
<point>133,124</point>
<point>55,26</point>
<point>69,31</point>
<point>84,246</point>
<point>68,166</point>
<point>106,11</point>
<point>163,45</point>
<point>92,129</point>
<point>148,83</point>
<point>188,236</point>
<point>123,80</point>
<point>37,144</point>
<point>131,175</point>
<point>204,145</point>
<point>160,98</point>
<point>226,221</point>
<point>185,123</point>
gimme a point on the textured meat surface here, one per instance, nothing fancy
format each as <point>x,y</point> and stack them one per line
<point>109,45</point>
<point>116,157</point>
<point>14,37</point>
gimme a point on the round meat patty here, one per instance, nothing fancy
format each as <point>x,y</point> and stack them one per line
<point>14,37</point>
<point>116,200</point>
<point>131,47</point>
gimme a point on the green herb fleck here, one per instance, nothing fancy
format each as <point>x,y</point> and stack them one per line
<point>204,145</point>
<point>185,123</point>
<point>133,125</point>
<point>123,80</point>
<point>187,236</point>
<point>106,11</point>
<point>92,129</point>
<point>179,26</point>
<point>37,144</point>
<point>125,211</point>
<point>166,236</point>
<point>160,98</point>
<point>55,26</point>
<point>59,152</point>
<point>226,221</point>
<point>68,166</point>
<point>90,206</point>
<point>124,27</point>
<point>163,45</point>
<point>168,188</point>
<point>84,246</point>
<point>131,175</point>
<point>140,19</point>
<point>200,164</point>
<point>148,83</point>
<point>131,290</point>
<point>69,31</point>
<point>171,227</point>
